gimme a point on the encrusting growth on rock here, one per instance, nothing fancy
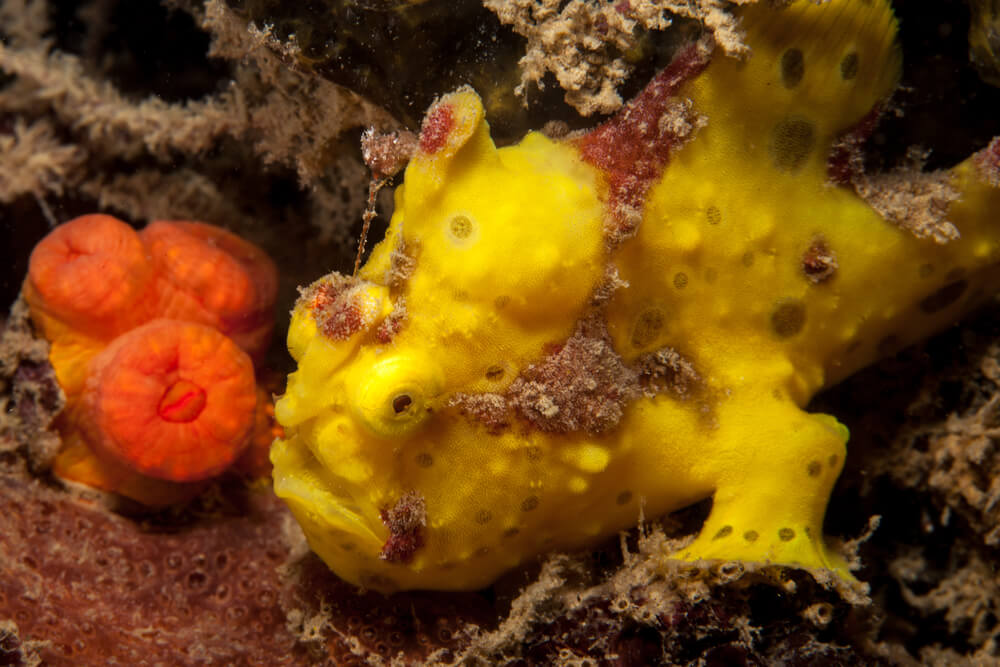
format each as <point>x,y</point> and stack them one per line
<point>914,200</point>
<point>586,45</point>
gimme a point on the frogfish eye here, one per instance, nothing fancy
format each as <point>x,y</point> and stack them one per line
<point>395,396</point>
<point>401,402</point>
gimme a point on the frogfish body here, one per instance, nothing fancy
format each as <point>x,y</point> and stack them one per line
<point>558,335</point>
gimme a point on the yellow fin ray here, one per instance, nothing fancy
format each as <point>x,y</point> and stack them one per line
<point>832,60</point>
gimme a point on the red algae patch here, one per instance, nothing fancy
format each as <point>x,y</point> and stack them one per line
<point>988,162</point>
<point>436,127</point>
<point>95,588</point>
<point>633,147</point>
<point>337,305</point>
<point>584,385</point>
<point>405,520</point>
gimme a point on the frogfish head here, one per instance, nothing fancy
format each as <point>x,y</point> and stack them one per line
<point>401,458</point>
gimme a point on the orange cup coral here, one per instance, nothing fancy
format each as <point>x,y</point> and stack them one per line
<point>152,339</point>
<point>174,400</point>
<point>208,275</point>
<point>91,275</point>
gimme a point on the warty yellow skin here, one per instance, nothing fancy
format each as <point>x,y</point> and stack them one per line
<point>508,248</point>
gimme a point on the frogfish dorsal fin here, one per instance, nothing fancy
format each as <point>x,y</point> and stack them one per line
<point>828,61</point>
<point>832,61</point>
<point>816,72</point>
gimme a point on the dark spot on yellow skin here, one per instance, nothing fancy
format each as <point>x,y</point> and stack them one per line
<point>725,531</point>
<point>887,345</point>
<point>481,551</point>
<point>494,373</point>
<point>792,68</point>
<point>483,516</point>
<point>501,301</point>
<point>623,497</point>
<point>511,532</point>
<point>534,452</point>
<point>944,297</point>
<point>788,318</point>
<point>849,66</point>
<point>832,461</point>
<point>680,280</point>
<point>713,215</point>
<point>792,139</point>
<point>786,534</point>
<point>710,275</point>
<point>751,536</point>
<point>925,270</point>
<point>424,460</point>
<point>814,468</point>
<point>747,259</point>
<point>460,227</point>
<point>647,327</point>
<point>529,503</point>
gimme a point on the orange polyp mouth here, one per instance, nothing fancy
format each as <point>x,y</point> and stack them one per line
<point>182,402</point>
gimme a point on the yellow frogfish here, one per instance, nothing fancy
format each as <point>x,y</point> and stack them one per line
<point>558,335</point>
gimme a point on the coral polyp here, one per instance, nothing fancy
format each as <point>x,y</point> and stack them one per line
<point>173,400</point>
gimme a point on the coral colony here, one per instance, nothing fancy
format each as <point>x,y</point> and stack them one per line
<point>153,336</point>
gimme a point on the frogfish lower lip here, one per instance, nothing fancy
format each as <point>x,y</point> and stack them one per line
<point>312,496</point>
